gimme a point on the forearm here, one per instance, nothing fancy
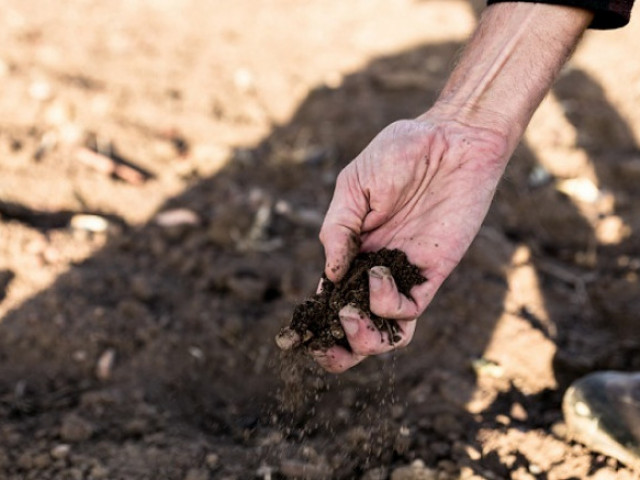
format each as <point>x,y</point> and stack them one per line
<point>510,64</point>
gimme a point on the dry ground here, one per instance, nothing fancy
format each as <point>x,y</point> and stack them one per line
<point>145,351</point>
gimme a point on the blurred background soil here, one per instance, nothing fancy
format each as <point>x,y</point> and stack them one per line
<point>164,170</point>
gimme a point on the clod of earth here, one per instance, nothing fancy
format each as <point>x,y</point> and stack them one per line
<point>316,325</point>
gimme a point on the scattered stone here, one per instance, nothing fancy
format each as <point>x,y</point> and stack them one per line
<point>287,339</point>
<point>612,230</point>
<point>196,352</point>
<point>518,412</point>
<point>89,223</point>
<point>472,453</point>
<point>484,366</point>
<point>105,363</point>
<point>579,189</point>
<point>535,469</point>
<point>503,419</point>
<point>177,217</point>
<point>60,451</point>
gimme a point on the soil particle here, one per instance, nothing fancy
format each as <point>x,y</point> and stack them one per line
<point>196,474</point>
<point>291,468</point>
<point>415,471</point>
<point>316,323</point>
<point>75,429</point>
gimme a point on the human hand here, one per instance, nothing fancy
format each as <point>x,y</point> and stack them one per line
<point>423,186</point>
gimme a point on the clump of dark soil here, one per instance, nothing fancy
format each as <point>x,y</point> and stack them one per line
<point>315,323</point>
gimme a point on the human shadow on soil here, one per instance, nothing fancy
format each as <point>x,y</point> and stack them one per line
<point>191,313</point>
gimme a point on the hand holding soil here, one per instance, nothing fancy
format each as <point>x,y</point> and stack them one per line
<point>421,186</point>
<point>316,323</point>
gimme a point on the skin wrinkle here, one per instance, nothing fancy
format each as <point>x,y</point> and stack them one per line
<point>527,66</point>
<point>498,63</point>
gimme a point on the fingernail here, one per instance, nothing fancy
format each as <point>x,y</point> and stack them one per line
<point>377,276</point>
<point>350,325</point>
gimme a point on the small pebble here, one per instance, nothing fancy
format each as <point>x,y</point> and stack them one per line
<point>473,453</point>
<point>60,451</point>
<point>503,419</point>
<point>177,217</point>
<point>105,363</point>
<point>518,412</point>
<point>287,339</point>
<point>89,223</point>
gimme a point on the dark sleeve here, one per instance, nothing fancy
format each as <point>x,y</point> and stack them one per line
<point>608,13</point>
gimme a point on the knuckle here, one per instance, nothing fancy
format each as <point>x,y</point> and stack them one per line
<point>322,236</point>
<point>343,178</point>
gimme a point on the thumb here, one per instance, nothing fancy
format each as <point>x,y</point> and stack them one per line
<point>340,232</point>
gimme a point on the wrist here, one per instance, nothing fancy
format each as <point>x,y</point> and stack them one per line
<point>509,66</point>
<point>478,117</point>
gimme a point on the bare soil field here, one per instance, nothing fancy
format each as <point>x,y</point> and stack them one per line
<point>164,170</point>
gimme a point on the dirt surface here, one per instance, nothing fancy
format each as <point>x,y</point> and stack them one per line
<point>139,311</point>
<point>315,323</point>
